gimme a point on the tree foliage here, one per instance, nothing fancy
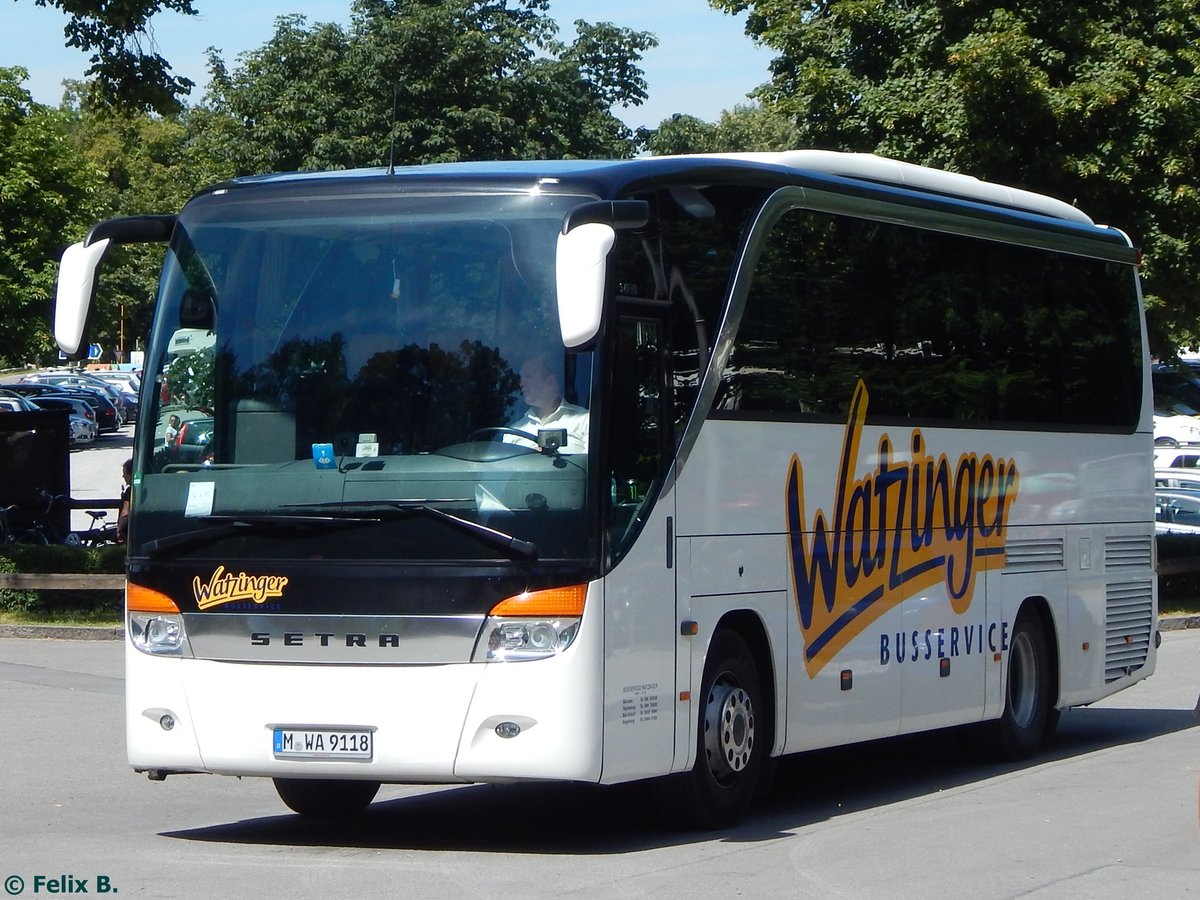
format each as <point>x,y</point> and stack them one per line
<point>126,70</point>
<point>1095,103</point>
<point>441,79</point>
<point>425,81</point>
<point>46,201</point>
<point>744,128</point>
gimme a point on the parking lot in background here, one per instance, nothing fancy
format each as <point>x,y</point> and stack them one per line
<point>96,473</point>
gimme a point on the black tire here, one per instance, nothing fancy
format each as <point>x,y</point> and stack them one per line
<point>1028,706</point>
<point>326,798</point>
<point>730,744</point>
<point>34,537</point>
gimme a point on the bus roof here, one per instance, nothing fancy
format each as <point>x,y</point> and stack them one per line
<point>608,177</point>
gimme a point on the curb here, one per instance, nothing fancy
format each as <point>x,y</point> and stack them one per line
<point>65,632</point>
<point>117,632</point>
<point>1178,623</point>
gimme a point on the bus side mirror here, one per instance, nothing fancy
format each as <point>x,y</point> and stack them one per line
<point>579,273</point>
<point>77,273</point>
<point>74,294</point>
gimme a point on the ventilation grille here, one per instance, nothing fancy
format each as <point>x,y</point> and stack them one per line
<point>1128,628</point>
<point>1034,556</point>
<point>1128,551</point>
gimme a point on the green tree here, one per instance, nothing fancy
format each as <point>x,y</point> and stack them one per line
<point>152,165</point>
<point>47,199</point>
<point>744,128</point>
<point>681,133</point>
<point>126,69</point>
<point>1094,102</point>
<point>427,80</point>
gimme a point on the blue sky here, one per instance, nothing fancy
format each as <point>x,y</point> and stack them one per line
<point>704,62</point>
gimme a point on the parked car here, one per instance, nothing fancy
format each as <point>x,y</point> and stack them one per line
<point>193,442</point>
<point>1177,511</point>
<point>1177,478</point>
<point>10,402</point>
<point>90,382</point>
<point>76,406</point>
<point>81,425</point>
<point>82,431</point>
<point>107,416</point>
<point>1175,389</point>
<point>1172,430</point>
<point>115,376</point>
<point>128,384</point>
<point>1176,458</point>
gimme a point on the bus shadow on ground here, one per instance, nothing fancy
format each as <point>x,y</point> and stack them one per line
<point>591,820</point>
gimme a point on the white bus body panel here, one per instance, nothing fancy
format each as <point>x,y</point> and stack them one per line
<point>645,725</point>
<point>434,724</point>
<point>1079,540</point>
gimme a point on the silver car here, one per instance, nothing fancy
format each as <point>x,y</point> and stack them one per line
<point>82,431</point>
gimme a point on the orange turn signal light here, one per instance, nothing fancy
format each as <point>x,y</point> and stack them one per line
<point>143,599</point>
<point>551,603</point>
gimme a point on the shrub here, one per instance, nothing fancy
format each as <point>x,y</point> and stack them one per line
<point>35,559</point>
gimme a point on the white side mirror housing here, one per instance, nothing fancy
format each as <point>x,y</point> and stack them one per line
<point>76,287</point>
<point>579,273</point>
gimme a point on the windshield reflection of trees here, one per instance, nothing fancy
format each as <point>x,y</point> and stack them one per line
<point>414,398</point>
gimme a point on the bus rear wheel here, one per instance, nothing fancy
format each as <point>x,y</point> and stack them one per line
<point>324,798</point>
<point>1028,706</point>
<point>730,745</point>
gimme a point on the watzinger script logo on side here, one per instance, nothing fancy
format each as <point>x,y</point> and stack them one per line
<point>897,529</point>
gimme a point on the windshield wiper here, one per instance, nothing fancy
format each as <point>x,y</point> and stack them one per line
<point>506,543</point>
<point>225,525</point>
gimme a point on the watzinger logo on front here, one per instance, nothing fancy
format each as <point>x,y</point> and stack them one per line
<point>896,529</point>
<point>225,588</point>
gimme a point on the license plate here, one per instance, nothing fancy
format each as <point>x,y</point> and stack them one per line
<point>323,743</point>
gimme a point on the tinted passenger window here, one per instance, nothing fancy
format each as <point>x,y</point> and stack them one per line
<point>938,326</point>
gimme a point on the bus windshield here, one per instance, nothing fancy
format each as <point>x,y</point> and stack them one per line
<point>365,376</point>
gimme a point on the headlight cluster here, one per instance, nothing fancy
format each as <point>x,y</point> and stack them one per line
<point>532,625</point>
<point>159,633</point>
<point>154,622</point>
<point>513,639</point>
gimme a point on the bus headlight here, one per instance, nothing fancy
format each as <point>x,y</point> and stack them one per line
<point>154,622</point>
<point>532,625</point>
<point>513,639</point>
<point>157,633</point>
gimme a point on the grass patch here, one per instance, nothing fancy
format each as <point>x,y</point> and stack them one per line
<point>61,617</point>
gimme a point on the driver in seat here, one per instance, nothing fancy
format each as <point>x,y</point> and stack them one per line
<point>542,390</point>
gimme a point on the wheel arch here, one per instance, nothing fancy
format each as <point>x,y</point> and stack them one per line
<point>749,626</point>
<point>1037,605</point>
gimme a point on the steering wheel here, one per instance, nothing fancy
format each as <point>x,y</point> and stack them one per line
<point>491,432</point>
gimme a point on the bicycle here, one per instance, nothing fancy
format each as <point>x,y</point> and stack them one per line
<point>98,534</point>
<point>42,529</point>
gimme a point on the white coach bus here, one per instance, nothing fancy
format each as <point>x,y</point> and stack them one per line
<point>608,471</point>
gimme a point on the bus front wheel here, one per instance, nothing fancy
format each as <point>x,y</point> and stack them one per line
<point>325,798</point>
<point>730,745</point>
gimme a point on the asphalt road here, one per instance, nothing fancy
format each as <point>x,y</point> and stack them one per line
<point>1108,810</point>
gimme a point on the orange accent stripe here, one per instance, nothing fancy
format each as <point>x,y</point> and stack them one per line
<point>557,602</point>
<point>143,599</point>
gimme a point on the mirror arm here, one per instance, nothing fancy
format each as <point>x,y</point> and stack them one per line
<point>132,230</point>
<point>620,215</point>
